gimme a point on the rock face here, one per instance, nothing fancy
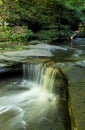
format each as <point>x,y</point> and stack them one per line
<point>77,97</point>
<point>10,61</point>
<point>76,77</point>
<point>10,69</point>
<point>18,29</point>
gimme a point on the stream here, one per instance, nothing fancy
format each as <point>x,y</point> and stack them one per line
<point>38,98</point>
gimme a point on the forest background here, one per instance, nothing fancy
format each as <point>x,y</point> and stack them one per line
<point>46,20</point>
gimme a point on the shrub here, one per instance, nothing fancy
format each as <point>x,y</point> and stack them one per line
<point>15,35</point>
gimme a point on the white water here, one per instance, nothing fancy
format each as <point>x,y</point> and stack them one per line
<point>35,103</point>
<point>41,83</point>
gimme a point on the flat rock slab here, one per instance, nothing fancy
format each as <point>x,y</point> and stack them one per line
<point>3,65</point>
<point>48,47</point>
<point>21,55</point>
<point>31,52</point>
<point>8,59</point>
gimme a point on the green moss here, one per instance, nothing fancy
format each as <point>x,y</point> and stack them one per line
<point>46,35</point>
<point>11,46</point>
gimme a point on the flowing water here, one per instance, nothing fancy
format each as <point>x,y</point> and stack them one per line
<point>38,99</point>
<point>33,102</point>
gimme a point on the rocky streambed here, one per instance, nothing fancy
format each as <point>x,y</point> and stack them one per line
<point>69,60</point>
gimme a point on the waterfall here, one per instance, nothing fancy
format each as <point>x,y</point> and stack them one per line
<point>34,100</point>
<point>47,78</point>
<point>33,72</point>
<point>41,93</point>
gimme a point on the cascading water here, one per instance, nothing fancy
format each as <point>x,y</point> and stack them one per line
<point>37,102</point>
<point>41,81</point>
<point>39,74</point>
<point>33,72</point>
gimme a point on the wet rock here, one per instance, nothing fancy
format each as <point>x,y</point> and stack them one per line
<point>10,62</point>
<point>3,67</point>
<point>77,97</point>
<point>18,56</point>
<point>33,42</point>
<point>29,53</point>
<point>18,29</point>
<point>81,63</point>
<point>76,77</point>
<point>46,35</point>
<point>78,40</point>
<point>48,47</point>
<point>10,71</point>
<point>8,67</point>
<point>60,40</point>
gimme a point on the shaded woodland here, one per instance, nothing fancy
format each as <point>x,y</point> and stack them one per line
<point>56,17</point>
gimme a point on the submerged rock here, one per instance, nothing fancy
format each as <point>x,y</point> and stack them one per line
<point>77,41</point>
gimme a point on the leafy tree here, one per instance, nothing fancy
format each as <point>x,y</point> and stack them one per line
<point>64,14</point>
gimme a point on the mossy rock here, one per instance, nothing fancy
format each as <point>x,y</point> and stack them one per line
<point>46,35</point>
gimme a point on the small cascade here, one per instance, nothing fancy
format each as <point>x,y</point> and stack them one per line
<point>48,78</point>
<point>41,93</point>
<point>36,104</point>
<point>33,72</point>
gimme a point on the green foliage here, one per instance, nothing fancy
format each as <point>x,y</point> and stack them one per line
<point>46,12</point>
<point>7,35</point>
<point>46,35</point>
<point>9,46</point>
